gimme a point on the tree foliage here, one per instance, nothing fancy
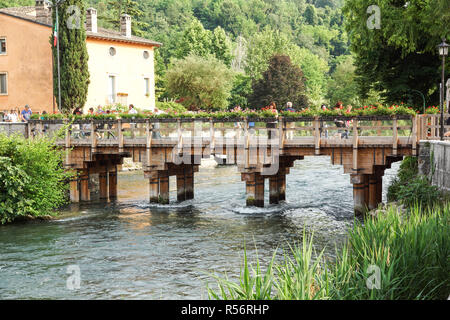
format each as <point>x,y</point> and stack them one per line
<point>400,56</point>
<point>32,178</point>
<point>118,7</point>
<point>73,57</point>
<point>280,83</point>
<point>342,85</point>
<point>201,83</point>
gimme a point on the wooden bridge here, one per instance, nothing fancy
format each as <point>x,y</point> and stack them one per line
<point>267,150</point>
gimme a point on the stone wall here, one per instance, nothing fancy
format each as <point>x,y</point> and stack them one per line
<point>434,162</point>
<point>12,128</point>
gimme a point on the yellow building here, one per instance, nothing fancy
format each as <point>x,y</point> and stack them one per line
<point>121,65</point>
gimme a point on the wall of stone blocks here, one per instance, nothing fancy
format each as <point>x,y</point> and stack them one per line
<point>13,128</point>
<point>434,162</point>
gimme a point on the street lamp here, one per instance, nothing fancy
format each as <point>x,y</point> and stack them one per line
<point>443,51</point>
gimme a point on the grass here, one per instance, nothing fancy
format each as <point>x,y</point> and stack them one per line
<point>410,249</point>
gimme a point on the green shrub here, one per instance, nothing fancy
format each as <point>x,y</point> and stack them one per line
<point>32,179</point>
<point>411,189</point>
<point>171,107</point>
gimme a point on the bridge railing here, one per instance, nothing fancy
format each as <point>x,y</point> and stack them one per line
<point>314,132</point>
<point>429,126</point>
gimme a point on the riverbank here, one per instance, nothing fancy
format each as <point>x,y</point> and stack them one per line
<point>399,251</point>
<point>397,255</point>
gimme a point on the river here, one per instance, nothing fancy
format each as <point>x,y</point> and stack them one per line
<point>129,249</point>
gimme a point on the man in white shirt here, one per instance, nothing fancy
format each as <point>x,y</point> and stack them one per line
<point>132,110</point>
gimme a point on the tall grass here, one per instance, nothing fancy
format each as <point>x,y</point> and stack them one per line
<point>411,251</point>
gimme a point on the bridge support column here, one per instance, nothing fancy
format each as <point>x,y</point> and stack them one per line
<point>84,185</point>
<point>274,190</point>
<point>254,189</point>
<point>164,187</point>
<point>282,184</point>
<point>113,184</point>
<point>181,186</point>
<point>359,193</point>
<point>379,190</point>
<point>103,184</point>
<point>154,190</point>
<point>373,203</point>
<point>189,182</point>
<point>74,191</point>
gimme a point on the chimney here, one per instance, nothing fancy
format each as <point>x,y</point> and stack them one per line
<point>42,12</point>
<point>91,20</point>
<point>125,25</point>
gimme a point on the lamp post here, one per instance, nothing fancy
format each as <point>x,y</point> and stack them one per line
<point>443,51</point>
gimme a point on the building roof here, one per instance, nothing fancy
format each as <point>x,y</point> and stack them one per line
<point>29,14</point>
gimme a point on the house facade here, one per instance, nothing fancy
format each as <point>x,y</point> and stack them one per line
<point>121,65</point>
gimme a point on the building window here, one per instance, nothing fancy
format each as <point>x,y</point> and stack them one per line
<point>3,84</point>
<point>147,86</point>
<point>146,55</point>
<point>112,51</point>
<point>2,46</point>
<point>112,89</point>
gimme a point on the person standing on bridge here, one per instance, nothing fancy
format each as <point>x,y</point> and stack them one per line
<point>25,115</point>
<point>132,110</point>
<point>290,125</point>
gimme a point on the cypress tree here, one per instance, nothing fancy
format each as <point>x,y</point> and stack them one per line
<point>73,55</point>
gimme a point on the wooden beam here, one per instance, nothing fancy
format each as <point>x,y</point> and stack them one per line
<point>164,187</point>
<point>274,190</point>
<point>113,183</point>
<point>84,185</point>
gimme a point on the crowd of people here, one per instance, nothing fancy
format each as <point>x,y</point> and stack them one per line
<point>17,116</point>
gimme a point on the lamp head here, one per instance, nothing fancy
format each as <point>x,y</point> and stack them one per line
<point>443,48</point>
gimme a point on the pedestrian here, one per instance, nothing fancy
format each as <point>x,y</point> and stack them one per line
<point>26,113</point>
<point>13,116</point>
<point>323,124</point>
<point>290,125</point>
<point>447,134</point>
<point>46,125</point>
<point>156,133</point>
<point>272,133</point>
<point>77,111</point>
<point>132,110</point>
<point>348,122</point>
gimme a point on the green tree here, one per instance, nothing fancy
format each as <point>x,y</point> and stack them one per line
<point>15,3</point>
<point>242,88</point>
<point>195,40</point>
<point>315,69</point>
<point>201,83</point>
<point>311,15</point>
<point>118,7</point>
<point>400,56</point>
<point>221,46</point>
<point>73,56</point>
<point>281,83</point>
<point>342,85</point>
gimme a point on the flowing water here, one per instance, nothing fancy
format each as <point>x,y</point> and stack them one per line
<point>133,250</point>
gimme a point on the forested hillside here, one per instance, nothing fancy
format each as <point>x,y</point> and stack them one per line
<point>339,57</point>
<point>248,33</point>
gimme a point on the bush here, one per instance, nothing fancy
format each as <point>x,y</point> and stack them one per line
<point>201,83</point>
<point>32,179</point>
<point>171,107</point>
<point>411,189</point>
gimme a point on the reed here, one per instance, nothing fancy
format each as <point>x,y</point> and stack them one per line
<point>409,249</point>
